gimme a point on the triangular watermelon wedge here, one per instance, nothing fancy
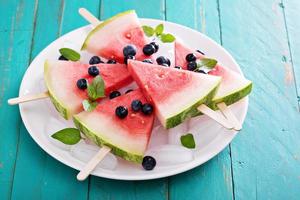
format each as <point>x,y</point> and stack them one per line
<point>175,93</point>
<point>110,37</point>
<point>61,78</point>
<point>127,137</point>
<point>233,86</point>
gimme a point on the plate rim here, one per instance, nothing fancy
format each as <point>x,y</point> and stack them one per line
<point>183,167</point>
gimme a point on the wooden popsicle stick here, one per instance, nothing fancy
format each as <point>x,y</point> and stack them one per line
<point>215,116</point>
<point>230,116</point>
<point>90,166</point>
<point>88,16</point>
<point>26,98</point>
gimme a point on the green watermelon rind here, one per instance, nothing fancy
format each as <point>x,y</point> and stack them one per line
<point>191,111</point>
<point>101,25</point>
<point>60,107</point>
<point>232,97</point>
<point>101,142</point>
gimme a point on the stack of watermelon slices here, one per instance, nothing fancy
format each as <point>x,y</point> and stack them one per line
<point>174,93</point>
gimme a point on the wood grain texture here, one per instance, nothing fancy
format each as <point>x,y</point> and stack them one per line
<point>16,29</point>
<point>265,155</point>
<point>48,176</point>
<point>109,189</point>
<point>215,175</point>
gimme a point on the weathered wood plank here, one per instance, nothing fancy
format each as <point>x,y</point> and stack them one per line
<point>290,9</point>
<point>265,155</point>
<point>214,175</point>
<point>16,28</point>
<point>46,177</point>
<point>110,189</point>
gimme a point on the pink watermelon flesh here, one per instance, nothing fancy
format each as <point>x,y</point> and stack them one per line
<point>233,86</point>
<point>61,78</point>
<point>110,37</point>
<point>127,137</point>
<point>176,94</point>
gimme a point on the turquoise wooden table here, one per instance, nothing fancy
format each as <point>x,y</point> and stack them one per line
<point>263,161</point>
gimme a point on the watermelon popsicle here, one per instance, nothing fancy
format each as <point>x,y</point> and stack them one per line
<point>233,86</point>
<point>176,94</point>
<point>62,87</point>
<point>127,137</point>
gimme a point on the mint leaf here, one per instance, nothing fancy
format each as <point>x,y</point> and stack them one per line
<point>68,136</point>
<point>88,105</point>
<point>207,62</point>
<point>159,29</point>
<point>148,30</point>
<point>188,141</point>
<point>167,38</point>
<point>70,54</point>
<point>96,88</point>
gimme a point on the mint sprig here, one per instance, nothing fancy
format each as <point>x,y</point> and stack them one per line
<point>89,105</point>
<point>96,88</point>
<point>188,141</point>
<point>70,54</point>
<point>68,136</point>
<point>159,33</point>
<point>206,62</point>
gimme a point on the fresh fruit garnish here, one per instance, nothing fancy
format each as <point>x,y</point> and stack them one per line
<point>95,60</point>
<point>148,163</point>
<point>129,50</point>
<point>163,60</point>
<point>128,58</point>
<point>93,71</point>
<point>111,61</point>
<point>190,57</point>
<point>147,109</point>
<point>188,141</point>
<point>149,49</point>
<point>156,46</point>
<point>67,136</point>
<point>70,54</point>
<point>191,66</point>
<point>82,84</point>
<point>62,58</point>
<point>148,61</point>
<point>114,94</point>
<point>96,89</point>
<point>121,112</point>
<point>136,105</point>
<point>159,33</point>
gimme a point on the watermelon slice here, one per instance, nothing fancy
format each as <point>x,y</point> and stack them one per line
<point>61,78</point>
<point>176,94</point>
<point>233,86</point>
<point>127,137</point>
<point>110,37</point>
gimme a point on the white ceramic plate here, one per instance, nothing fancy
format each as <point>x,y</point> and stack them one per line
<point>41,119</point>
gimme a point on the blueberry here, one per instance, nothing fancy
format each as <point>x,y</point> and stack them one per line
<point>200,52</point>
<point>178,67</point>
<point>62,58</point>
<point>121,112</point>
<point>114,94</point>
<point>95,60</point>
<point>129,50</point>
<point>81,84</point>
<point>148,61</point>
<point>201,71</point>
<point>148,49</point>
<point>136,105</point>
<point>111,61</point>
<point>147,109</point>
<point>93,71</point>
<point>192,66</point>
<point>148,163</point>
<point>155,46</point>
<point>190,57</point>
<point>130,90</point>
<point>161,59</point>
<point>128,57</point>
